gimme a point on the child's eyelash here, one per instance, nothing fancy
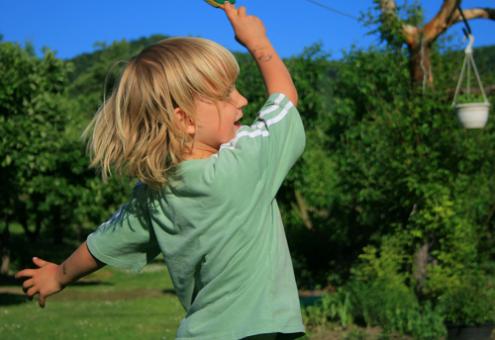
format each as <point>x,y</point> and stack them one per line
<point>229,91</point>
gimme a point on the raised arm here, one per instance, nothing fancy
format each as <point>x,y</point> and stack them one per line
<point>251,33</point>
<point>51,278</point>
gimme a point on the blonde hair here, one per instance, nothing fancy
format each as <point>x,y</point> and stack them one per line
<point>136,131</point>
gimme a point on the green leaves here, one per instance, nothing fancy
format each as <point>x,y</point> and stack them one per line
<point>42,162</point>
<point>467,98</point>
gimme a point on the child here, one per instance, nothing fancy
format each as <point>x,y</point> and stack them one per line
<point>207,186</point>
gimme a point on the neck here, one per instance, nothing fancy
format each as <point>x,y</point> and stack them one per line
<point>201,150</point>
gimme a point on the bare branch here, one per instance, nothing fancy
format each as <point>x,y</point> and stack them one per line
<point>410,34</point>
<point>440,22</point>
<point>473,13</point>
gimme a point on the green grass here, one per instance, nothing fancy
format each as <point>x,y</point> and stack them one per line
<point>108,304</point>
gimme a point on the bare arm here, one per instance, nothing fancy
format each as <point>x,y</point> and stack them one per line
<point>275,74</point>
<point>250,32</point>
<point>79,264</point>
<point>51,278</point>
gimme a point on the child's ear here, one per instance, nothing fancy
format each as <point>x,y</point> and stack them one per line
<point>185,120</point>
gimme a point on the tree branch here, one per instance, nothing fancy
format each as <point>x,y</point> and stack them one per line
<point>473,13</point>
<point>450,15</point>
<point>440,22</point>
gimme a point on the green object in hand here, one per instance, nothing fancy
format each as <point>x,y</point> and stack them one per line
<point>217,3</point>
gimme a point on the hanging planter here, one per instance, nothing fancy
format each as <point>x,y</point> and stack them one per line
<point>472,110</point>
<point>473,115</point>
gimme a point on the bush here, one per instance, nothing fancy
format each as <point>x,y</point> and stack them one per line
<point>332,307</point>
<point>391,306</point>
<point>395,308</point>
<point>472,301</point>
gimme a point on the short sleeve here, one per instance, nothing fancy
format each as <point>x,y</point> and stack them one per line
<point>126,240</point>
<point>261,154</point>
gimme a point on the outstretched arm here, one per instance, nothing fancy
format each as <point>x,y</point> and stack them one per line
<point>251,33</point>
<point>51,278</point>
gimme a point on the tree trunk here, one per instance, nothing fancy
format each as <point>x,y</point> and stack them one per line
<point>303,210</point>
<point>420,265</point>
<point>58,230</point>
<point>38,223</point>
<point>23,218</point>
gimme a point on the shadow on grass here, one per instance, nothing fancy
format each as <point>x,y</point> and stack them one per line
<point>8,299</point>
<point>10,284</point>
<point>92,283</point>
<point>169,291</point>
<point>12,281</point>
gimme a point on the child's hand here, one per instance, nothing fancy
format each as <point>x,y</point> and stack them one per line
<point>42,281</point>
<point>249,30</point>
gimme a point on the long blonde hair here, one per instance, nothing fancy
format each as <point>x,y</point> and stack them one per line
<point>136,131</point>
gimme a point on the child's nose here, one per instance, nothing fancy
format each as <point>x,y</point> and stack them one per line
<point>242,101</point>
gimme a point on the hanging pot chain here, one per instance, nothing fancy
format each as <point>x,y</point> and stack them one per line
<point>467,64</point>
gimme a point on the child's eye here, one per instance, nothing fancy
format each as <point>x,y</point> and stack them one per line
<point>229,91</point>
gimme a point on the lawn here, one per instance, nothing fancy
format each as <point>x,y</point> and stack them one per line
<point>108,304</point>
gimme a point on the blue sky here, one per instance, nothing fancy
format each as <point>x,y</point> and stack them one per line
<point>72,27</point>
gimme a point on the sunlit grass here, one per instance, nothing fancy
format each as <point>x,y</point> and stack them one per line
<point>108,304</point>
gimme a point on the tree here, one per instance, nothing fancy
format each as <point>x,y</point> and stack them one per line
<point>420,37</point>
<point>45,181</point>
<point>32,119</point>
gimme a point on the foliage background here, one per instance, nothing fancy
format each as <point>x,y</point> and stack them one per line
<point>387,168</point>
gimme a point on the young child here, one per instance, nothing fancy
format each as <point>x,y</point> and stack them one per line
<point>207,186</point>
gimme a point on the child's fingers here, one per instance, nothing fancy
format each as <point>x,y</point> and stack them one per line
<point>242,11</point>
<point>39,262</point>
<point>230,11</point>
<point>41,301</point>
<point>24,273</point>
<point>32,292</point>
<point>27,284</point>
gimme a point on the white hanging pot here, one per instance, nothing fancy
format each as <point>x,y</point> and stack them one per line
<point>472,111</point>
<point>473,115</point>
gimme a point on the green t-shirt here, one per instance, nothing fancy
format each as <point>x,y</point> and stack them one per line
<point>219,229</point>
